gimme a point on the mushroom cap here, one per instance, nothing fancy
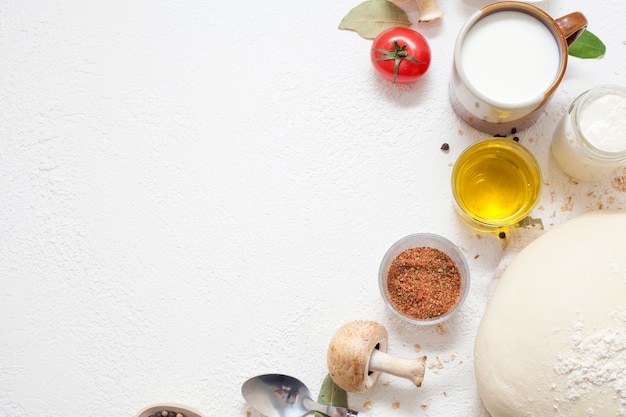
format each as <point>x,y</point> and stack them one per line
<point>349,353</point>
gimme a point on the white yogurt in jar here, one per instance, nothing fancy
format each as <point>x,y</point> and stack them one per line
<point>602,121</point>
<point>590,141</point>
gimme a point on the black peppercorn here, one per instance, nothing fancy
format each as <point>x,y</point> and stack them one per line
<point>445,147</point>
<point>516,139</point>
<point>501,235</point>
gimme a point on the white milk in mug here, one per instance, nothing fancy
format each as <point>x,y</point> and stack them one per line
<point>590,142</point>
<point>511,58</point>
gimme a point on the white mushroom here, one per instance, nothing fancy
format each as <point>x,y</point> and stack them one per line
<point>358,354</point>
<point>429,10</point>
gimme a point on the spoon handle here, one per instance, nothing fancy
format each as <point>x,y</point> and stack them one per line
<point>331,410</point>
<point>339,412</point>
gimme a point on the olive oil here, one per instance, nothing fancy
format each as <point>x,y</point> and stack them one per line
<point>496,183</point>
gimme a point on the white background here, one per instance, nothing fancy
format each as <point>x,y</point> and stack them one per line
<point>196,192</point>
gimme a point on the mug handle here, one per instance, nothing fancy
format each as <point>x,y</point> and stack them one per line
<point>572,26</point>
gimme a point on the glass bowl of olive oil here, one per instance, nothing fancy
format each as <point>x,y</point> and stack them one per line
<point>496,182</point>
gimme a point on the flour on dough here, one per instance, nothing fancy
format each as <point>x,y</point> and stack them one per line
<point>552,341</point>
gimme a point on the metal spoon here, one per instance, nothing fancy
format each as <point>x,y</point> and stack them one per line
<point>277,395</point>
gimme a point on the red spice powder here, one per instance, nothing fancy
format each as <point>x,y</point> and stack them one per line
<point>423,283</point>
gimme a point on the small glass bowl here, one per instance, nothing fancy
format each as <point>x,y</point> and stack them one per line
<point>425,240</point>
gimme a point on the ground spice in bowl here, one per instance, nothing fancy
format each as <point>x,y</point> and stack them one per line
<point>424,278</point>
<point>423,283</point>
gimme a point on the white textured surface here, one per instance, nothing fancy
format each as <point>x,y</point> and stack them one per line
<point>193,193</point>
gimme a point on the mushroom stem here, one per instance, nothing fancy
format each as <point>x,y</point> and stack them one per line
<point>429,10</point>
<point>411,369</point>
<point>357,355</point>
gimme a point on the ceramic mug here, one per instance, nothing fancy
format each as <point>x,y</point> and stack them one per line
<point>509,58</point>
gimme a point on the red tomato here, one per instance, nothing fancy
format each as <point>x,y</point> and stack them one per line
<point>400,54</point>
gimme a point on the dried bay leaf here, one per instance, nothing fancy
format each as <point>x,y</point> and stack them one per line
<point>531,223</point>
<point>371,17</point>
<point>587,46</point>
<point>331,394</point>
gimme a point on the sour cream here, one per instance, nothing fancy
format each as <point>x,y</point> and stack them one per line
<point>590,141</point>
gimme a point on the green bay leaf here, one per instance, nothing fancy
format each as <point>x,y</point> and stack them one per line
<point>331,394</point>
<point>371,17</point>
<point>587,46</point>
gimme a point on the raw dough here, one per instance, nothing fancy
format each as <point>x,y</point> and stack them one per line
<point>552,341</point>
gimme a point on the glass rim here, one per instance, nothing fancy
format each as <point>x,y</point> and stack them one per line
<point>491,223</point>
<point>575,111</point>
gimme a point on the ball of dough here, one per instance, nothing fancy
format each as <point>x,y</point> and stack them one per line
<point>552,341</point>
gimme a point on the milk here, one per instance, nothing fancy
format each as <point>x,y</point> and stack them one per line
<point>510,57</point>
<point>590,141</point>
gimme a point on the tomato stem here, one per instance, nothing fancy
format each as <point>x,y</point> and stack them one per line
<point>398,53</point>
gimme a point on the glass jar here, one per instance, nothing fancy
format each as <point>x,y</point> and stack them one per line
<point>496,182</point>
<point>589,143</point>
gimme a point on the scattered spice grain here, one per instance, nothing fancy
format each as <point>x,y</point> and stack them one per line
<point>423,283</point>
<point>445,147</point>
<point>167,413</point>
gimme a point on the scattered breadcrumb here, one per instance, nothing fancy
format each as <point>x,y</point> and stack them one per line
<point>452,357</point>
<point>573,181</point>
<point>417,347</point>
<point>248,413</point>
<point>460,132</point>
<point>395,404</point>
<point>619,183</point>
<point>367,405</point>
<point>386,383</point>
<point>426,403</point>
<point>431,365</point>
<point>441,328</point>
<point>439,362</point>
<point>476,256</point>
<point>568,205</point>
